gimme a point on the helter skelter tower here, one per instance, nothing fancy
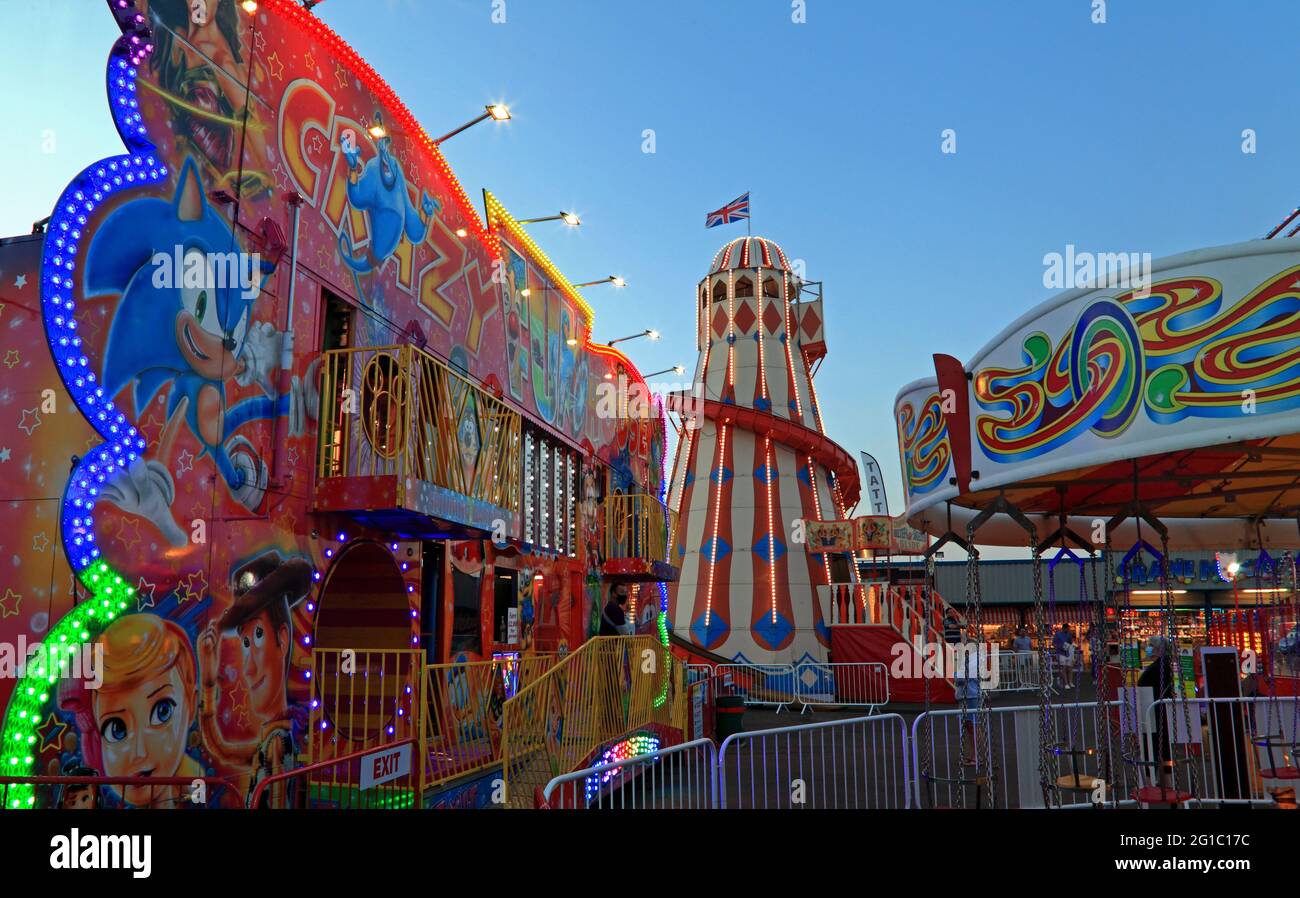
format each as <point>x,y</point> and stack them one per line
<point>758,461</point>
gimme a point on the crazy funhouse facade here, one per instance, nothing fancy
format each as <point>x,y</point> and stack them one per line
<point>275,387</point>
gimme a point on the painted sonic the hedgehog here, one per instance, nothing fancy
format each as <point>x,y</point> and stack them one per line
<point>185,338</point>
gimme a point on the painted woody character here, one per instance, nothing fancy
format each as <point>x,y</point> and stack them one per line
<point>264,590</point>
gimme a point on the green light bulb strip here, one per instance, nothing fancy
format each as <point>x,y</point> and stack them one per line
<point>18,748</point>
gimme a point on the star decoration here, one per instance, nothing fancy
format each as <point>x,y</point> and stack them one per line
<point>196,584</point>
<point>2,308</point>
<point>4,454</point>
<point>40,542</point>
<point>51,733</point>
<point>144,594</point>
<point>260,40</point>
<point>128,532</point>
<point>341,74</point>
<point>186,462</point>
<point>293,456</point>
<point>12,358</point>
<point>28,426</point>
<point>7,610</point>
<point>20,281</point>
<point>309,60</point>
<point>275,65</point>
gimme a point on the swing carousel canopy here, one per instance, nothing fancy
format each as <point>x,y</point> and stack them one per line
<point>1182,395</point>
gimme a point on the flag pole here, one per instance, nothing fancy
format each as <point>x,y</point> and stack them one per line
<point>749,220</point>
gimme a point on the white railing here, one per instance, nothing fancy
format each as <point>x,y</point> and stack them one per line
<point>1006,769</point>
<point>681,777</point>
<point>861,762</point>
<point>1239,749</point>
<point>858,684</point>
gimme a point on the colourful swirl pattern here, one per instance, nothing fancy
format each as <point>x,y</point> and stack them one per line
<point>923,445</point>
<point>1174,350</point>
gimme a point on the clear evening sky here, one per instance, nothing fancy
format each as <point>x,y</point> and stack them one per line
<point>1116,137</point>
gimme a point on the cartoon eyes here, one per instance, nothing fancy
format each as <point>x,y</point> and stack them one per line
<point>259,635</point>
<point>162,711</point>
<point>113,729</point>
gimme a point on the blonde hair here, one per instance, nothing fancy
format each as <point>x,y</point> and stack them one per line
<point>140,646</point>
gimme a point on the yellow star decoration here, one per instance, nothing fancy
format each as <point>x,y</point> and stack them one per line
<point>52,731</point>
<point>275,65</point>
<point>191,594</point>
<point>12,358</point>
<point>5,609</point>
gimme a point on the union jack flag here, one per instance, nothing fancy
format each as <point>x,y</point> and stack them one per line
<point>736,210</point>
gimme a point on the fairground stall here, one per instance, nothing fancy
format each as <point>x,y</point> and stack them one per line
<point>1107,433</point>
<point>310,447</point>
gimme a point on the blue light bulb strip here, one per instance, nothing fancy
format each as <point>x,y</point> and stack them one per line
<point>109,593</point>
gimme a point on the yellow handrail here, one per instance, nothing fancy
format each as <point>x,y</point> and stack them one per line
<point>463,704</point>
<point>609,687</point>
<point>401,411</point>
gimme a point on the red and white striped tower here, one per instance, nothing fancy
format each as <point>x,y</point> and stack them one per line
<point>758,461</point>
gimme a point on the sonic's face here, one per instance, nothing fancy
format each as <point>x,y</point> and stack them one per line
<point>207,343</point>
<point>208,321</point>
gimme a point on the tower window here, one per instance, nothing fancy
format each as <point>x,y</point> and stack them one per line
<point>744,287</point>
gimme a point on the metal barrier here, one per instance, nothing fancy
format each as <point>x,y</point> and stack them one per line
<point>772,685</point>
<point>861,762</point>
<point>343,783</point>
<point>1241,750</point>
<point>943,779</point>
<point>858,684</point>
<point>682,777</point>
<point>1017,672</point>
<point>463,706</point>
<point>609,687</point>
<point>362,700</point>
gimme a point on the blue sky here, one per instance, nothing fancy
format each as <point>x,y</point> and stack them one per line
<point>1118,137</point>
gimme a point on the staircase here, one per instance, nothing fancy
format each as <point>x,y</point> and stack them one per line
<point>611,687</point>
<point>870,621</point>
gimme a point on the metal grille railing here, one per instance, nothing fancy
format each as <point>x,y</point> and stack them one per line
<point>400,411</point>
<point>637,525</point>
<point>609,687</point>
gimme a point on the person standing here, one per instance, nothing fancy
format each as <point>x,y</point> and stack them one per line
<point>613,617</point>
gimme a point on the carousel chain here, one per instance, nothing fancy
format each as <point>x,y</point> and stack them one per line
<point>1173,662</point>
<point>1097,649</point>
<point>1127,735</point>
<point>1046,754</point>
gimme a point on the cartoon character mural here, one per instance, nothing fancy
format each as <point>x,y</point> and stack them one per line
<point>264,591</point>
<point>379,190</point>
<point>205,305</point>
<point>139,721</point>
<point>202,63</point>
<point>223,122</point>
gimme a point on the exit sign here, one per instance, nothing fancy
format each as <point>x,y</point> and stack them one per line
<point>385,765</point>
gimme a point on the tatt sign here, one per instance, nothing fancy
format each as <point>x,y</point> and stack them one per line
<point>385,765</point>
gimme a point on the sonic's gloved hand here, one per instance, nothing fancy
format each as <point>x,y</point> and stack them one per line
<point>428,204</point>
<point>145,488</point>
<point>304,399</point>
<point>261,356</point>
